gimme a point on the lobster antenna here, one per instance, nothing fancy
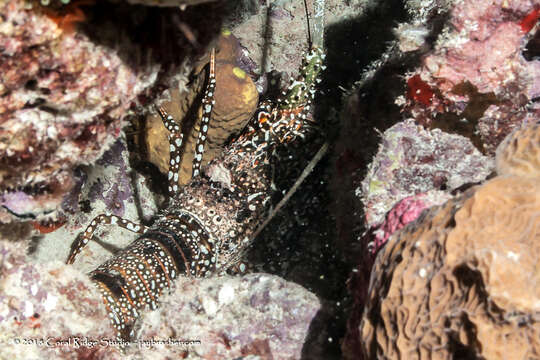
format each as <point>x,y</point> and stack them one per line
<point>307,170</point>
<point>308,27</point>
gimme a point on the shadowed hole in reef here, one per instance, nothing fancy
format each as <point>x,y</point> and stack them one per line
<point>456,345</point>
<point>531,51</point>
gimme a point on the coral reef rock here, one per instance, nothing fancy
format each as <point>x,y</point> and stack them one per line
<point>476,81</point>
<point>108,188</point>
<point>63,98</point>
<point>257,314</point>
<point>49,311</point>
<point>168,2</point>
<point>462,281</point>
<point>54,311</point>
<point>519,153</point>
<point>412,160</point>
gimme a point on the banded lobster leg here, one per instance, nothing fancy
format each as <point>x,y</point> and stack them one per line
<point>175,148</point>
<point>176,136</point>
<point>102,219</point>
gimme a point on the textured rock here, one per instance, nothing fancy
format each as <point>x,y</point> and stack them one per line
<point>49,311</point>
<point>462,281</point>
<point>63,98</point>
<point>412,160</point>
<point>168,2</point>
<point>54,311</point>
<point>256,314</point>
<point>463,85</point>
<point>236,100</point>
<point>467,68</point>
<point>61,3</point>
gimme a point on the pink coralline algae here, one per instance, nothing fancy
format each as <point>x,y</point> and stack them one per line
<point>412,160</point>
<point>483,85</point>
<point>63,98</point>
<point>402,213</point>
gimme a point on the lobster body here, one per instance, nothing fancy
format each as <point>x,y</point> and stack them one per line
<point>208,224</point>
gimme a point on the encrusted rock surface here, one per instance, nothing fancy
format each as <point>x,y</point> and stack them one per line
<point>413,160</point>
<point>476,80</point>
<point>257,314</point>
<point>54,311</point>
<point>462,281</point>
<point>168,2</point>
<point>469,69</point>
<point>63,100</point>
<point>45,306</point>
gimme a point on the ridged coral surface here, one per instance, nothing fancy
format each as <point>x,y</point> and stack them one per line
<point>168,2</point>
<point>463,280</point>
<point>519,153</point>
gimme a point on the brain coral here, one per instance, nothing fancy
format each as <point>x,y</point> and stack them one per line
<point>519,153</point>
<point>463,281</point>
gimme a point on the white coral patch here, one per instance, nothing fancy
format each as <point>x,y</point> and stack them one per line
<point>28,309</point>
<point>209,305</point>
<point>226,294</point>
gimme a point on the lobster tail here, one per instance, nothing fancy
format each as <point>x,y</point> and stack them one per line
<point>137,276</point>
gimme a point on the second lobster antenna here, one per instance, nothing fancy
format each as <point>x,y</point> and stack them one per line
<point>308,26</point>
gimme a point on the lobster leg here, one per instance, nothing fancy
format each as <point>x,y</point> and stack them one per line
<point>207,103</point>
<point>175,148</point>
<point>103,219</point>
<point>176,136</point>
